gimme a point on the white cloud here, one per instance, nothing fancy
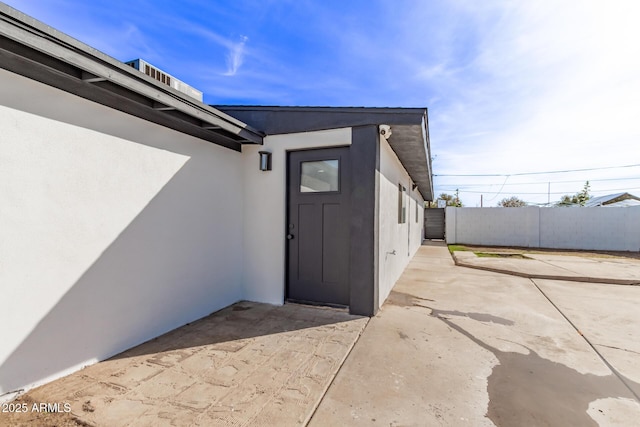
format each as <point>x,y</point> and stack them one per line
<point>235,57</point>
<point>552,85</point>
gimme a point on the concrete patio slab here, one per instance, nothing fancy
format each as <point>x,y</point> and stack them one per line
<point>521,267</point>
<point>608,317</point>
<point>249,364</point>
<point>469,347</point>
<point>607,268</point>
<point>584,268</point>
<point>451,346</point>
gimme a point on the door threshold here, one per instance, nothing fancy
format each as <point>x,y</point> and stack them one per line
<point>326,305</point>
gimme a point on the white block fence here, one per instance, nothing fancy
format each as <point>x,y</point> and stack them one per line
<point>597,228</point>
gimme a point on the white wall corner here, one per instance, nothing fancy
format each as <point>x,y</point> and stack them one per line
<point>450,225</point>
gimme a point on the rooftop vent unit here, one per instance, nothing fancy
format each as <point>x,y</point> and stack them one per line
<point>153,72</point>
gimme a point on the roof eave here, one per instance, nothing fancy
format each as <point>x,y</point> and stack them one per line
<point>35,50</point>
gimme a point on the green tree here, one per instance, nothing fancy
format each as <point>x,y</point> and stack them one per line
<point>512,202</point>
<point>567,200</point>
<point>579,198</point>
<point>583,196</point>
<point>452,200</point>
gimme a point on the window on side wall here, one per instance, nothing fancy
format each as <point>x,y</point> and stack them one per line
<point>416,210</point>
<point>402,204</point>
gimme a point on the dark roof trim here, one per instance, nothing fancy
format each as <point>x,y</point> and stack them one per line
<point>35,50</point>
<point>310,108</point>
<point>278,120</point>
<point>409,126</point>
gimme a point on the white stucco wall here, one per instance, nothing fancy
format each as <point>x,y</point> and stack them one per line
<point>493,226</point>
<point>598,228</point>
<point>265,210</point>
<point>601,228</point>
<point>401,239</point>
<point>113,230</point>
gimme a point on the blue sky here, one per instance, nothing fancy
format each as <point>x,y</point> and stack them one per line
<point>512,87</point>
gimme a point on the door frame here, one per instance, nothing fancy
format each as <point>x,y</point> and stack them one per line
<point>287,220</point>
<point>364,152</point>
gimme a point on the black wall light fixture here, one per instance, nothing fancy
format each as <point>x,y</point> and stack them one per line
<point>265,160</point>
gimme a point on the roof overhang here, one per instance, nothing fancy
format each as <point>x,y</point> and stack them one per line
<point>409,130</point>
<point>34,50</point>
<point>411,145</point>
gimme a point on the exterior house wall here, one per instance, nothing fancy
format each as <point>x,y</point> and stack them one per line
<point>265,199</point>
<point>113,230</point>
<point>596,228</point>
<point>397,242</point>
<point>417,221</point>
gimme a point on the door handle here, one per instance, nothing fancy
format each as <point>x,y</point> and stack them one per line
<point>289,236</point>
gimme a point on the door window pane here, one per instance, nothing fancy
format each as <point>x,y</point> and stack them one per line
<point>319,176</point>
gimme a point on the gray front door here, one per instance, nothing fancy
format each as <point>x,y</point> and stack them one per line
<point>318,226</point>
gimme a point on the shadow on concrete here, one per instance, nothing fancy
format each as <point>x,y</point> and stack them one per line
<point>239,321</point>
<point>526,389</point>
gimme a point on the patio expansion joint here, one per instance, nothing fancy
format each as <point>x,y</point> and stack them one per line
<point>333,377</point>
<point>593,347</point>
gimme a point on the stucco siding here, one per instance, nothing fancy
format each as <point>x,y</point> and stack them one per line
<point>417,221</point>
<point>113,230</point>
<point>265,201</point>
<point>398,242</point>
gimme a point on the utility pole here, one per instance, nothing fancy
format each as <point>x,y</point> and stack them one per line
<point>481,200</point>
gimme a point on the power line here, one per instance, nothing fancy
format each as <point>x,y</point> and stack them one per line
<point>554,192</point>
<point>500,190</point>
<point>538,182</point>
<point>540,173</point>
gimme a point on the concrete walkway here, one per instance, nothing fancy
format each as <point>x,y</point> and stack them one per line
<point>452,346</point>
<point>456,346</point>
<point>583,268</point>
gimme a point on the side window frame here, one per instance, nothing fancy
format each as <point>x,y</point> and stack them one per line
<point>402,204</point>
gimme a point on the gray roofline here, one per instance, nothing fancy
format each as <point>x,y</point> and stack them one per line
<point>427,144</point>
<point>342,109</point>
<point>38,51</point>
<point>279,120</point>
<point>410,141</point>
